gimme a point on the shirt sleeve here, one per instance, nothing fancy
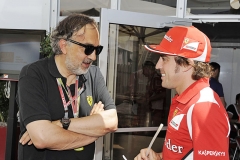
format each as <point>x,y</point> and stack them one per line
<point>220,90</point>
<point>210,130</point>
<point>232,110</point>
<point>31,97</point>
<point>102,91</point>
<point>216,86</point>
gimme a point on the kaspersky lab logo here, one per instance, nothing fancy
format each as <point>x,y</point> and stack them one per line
<point>90,100</point>
<point>211,153</point>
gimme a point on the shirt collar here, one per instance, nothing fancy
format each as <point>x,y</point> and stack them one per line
<point>192,90</point>
<point>52,67</point>
<point>53,70</point>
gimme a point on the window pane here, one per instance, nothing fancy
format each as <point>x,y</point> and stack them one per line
<point>140,97</point>
<point>211,7</point>
<point>166,8</point>
<point>129,144</point>
<point>88,7</point>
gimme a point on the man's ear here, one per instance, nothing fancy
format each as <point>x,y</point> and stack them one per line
<point>63,44</point>
<point>191,64</point>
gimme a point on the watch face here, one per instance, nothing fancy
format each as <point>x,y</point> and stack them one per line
<point>65,120</point>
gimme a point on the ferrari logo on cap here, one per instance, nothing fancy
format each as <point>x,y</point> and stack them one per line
<point>90,100</point>
<point>186,40</point>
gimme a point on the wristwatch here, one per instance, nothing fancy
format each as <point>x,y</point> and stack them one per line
<point>65,122</point>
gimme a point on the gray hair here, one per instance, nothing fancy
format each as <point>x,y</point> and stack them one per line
<point>67,27</point>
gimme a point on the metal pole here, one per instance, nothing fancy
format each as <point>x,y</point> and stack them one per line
<point>11,144</point>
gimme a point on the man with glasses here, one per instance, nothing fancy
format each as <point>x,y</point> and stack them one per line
<point>64,103</point>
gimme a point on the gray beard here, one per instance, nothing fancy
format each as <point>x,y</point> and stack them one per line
<point>75,69</point>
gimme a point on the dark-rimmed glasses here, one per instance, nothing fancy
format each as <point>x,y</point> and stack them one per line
<point>88,48</point>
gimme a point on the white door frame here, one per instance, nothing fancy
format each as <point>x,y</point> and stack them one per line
<point>111,16</point>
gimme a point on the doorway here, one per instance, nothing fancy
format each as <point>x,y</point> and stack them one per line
<point>132,80</point>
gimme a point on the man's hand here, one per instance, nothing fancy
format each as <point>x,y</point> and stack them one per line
<point>25,139</point>
<point>97,108</point>
<point>151,156</point>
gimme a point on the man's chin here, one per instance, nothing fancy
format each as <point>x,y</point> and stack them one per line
<point>83,71</point>
<point>166,86</point>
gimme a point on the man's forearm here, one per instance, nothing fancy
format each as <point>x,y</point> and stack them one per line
<point>77,141</point>
<point>43,134</point>
<point>95,125</point>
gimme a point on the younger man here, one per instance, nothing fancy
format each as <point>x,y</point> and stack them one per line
<point>198,125</point>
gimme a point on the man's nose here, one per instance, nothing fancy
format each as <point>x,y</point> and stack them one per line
<point>93,56</point>
<point>159,63</point>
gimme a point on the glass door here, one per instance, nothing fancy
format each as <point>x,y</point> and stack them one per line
<point>132,80</point>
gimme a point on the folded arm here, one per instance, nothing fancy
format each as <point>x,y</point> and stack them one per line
<point>96,124</point>
<point>87,129</point>
<point>44,134</point>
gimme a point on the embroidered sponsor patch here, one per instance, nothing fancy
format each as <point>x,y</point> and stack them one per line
<point>175,122</point>
<point>90,100</point>
<point>190,44</point>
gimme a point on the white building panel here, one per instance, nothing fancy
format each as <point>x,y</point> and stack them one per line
<point>25,14</point>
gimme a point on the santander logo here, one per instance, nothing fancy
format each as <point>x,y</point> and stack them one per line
<point>173,147</point>
<point>169,39</point>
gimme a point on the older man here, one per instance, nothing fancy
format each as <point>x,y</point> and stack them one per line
<point>64,103</point>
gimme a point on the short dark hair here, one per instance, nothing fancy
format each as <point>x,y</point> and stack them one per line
<point>215,66</point>
<point>237,97</point>
<point>148,63</point>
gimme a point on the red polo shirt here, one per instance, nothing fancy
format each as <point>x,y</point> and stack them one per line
<point>198,125</point>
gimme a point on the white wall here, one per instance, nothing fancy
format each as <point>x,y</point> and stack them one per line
<point>25,14</point>
<point>235,74</point>
<point>229,59</point>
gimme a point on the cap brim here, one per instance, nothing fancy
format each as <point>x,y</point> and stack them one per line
<point>155,48</point>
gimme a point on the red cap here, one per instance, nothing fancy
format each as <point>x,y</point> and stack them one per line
<point>186,42</point>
